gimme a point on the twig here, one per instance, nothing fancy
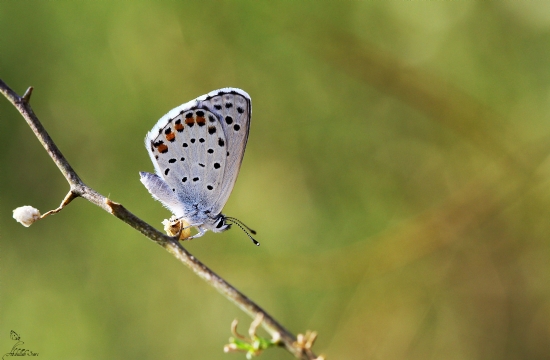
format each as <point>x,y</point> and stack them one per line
<point>79,189</point>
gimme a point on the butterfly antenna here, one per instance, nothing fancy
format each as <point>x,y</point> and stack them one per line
<point>240,222</point>
<point>242,226</point>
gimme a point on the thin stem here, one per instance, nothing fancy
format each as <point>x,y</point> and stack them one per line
<point>79,189</point>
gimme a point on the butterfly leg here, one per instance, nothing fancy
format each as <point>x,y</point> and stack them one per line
<point>181,234</point>
<point>201,230</point>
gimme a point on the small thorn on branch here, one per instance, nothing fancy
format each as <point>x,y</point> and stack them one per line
<point>113,206</point>
<point>27,96</point>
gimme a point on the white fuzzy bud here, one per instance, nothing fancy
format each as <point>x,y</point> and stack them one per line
<point>26,215</point>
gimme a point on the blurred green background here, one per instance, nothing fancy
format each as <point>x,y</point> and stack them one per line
<point>397,172</point>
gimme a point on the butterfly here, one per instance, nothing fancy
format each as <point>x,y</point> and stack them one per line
<point>197,149</point>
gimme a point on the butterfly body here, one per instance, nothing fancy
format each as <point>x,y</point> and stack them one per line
<point>197,149</point>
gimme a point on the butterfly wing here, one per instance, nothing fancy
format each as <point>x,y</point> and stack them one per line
<point>184,147</point>
<point>235,109</point>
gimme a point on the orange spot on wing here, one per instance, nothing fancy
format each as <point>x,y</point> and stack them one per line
<point>201,120</point>
<point>170,137</point>
<point>162,148</point>
<point>178,127</point>
<point>189,121</point>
